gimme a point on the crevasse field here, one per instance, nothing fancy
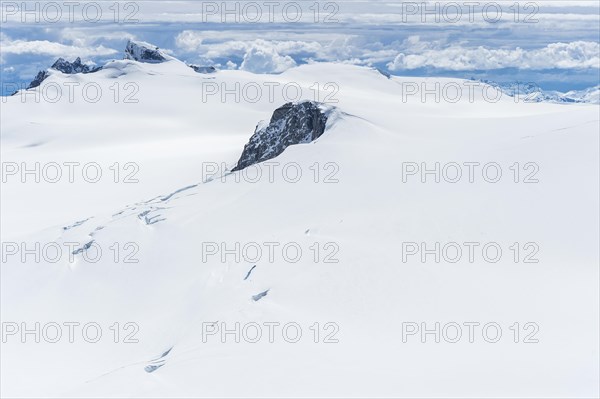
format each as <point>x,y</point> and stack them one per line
<point>367,204</point>
<point>379,207</point>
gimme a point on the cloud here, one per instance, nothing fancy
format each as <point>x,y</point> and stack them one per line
<point>258,55</point>
<point>189,40</point>
<point>86,37</point>
<point>225,43</point>
<point>263,58</point>
<point>48,48</point>
<point>373,33</point>
<point>458,57</point>
<point>452,52</point>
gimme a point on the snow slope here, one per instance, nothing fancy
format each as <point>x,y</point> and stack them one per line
<point>369,293</point>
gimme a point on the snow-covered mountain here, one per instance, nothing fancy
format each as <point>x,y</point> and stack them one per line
<point>76,66</point>
<point>530,92</point>
<point>590,95</point>
<point>135,51</point>
<point>333,238</point>
<point>63,66</point>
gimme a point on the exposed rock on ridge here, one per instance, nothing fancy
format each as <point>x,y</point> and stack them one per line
<point>293,123</point>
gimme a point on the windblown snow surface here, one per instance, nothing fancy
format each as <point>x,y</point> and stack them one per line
<point>369,212</point>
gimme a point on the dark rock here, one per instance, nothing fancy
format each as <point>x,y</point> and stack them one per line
<point>293,123</point>
<point>63,66</point>
<point>144,52</point>
<point>39,78</point>
<point>73,67</point>
<point>203,69</point>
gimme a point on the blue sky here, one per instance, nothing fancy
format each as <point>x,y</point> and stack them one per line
<point>554,44</point>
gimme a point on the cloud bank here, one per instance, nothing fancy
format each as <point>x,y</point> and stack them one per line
<point>457,57</point>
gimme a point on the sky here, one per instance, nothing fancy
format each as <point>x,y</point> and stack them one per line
<point>553,44</point>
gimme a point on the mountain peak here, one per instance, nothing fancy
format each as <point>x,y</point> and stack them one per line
<point>76,66</point>
<point>39,78</point>
<point>63,66</point>
<point>145,52</point>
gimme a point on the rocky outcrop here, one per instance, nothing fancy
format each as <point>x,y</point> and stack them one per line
<point>73,67</point>
<point>39,78</point>
<point>203,69</point>
<point>293,123</point>
<point>63,66</point>
<point>144,52</point>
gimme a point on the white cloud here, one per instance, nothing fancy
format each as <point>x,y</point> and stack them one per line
<point>259,55</point>
<point>48,48</point>
<point>214,44</point>
<point>264,58</point>
<point>189,40</point>
<point>86,37</point>
<point>286,48</point>
<point>458,57</point>
<point>411,53</point>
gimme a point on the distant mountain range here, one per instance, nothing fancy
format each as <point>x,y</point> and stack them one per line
<point>148,53</point>
<point>530,92</point>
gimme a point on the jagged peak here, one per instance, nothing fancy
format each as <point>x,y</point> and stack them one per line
<point>145,52</point>
<point>76,66</point>
<point>63,66</point>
